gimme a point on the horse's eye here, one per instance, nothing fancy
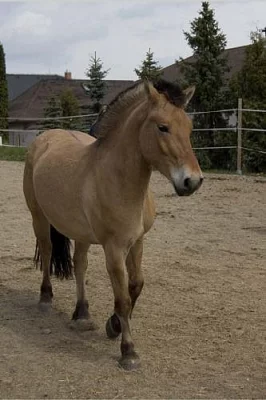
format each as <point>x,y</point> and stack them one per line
<point>163,128</point>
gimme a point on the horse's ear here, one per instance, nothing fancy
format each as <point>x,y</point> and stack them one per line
<point>152,93</point>
<point>188,94</point>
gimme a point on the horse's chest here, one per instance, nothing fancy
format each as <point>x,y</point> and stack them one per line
<point>117,222</point>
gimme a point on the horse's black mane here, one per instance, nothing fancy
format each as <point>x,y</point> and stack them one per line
<point>120,94</point>
<point>172,91</point>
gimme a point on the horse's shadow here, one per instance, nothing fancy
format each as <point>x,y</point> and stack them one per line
<point>51,331</point>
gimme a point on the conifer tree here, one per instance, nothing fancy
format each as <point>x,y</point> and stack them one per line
<point>96,85</point>
<point>207,72</point>
<point>52,110</point>
<point>250,85</point>
<point>70,107</point>
<point>149,69</point>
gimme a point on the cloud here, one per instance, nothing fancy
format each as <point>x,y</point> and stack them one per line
<point>27,25</point>
<point>59,24</point>
<point>43,36</point>
<point>137,11</point>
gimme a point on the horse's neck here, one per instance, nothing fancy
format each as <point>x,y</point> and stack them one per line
<point>122,157</point>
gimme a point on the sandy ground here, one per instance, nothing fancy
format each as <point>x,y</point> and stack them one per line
<point>200,323</point>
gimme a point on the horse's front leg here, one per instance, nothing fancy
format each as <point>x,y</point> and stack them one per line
<point>135,285</point>
<point>135,275</point>
<point>81,313</point>
<point>115,263</point>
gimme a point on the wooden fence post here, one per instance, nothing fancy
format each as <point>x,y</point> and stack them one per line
<point>239,137</point>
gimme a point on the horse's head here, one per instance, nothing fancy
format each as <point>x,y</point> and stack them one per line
<point>165,137</point>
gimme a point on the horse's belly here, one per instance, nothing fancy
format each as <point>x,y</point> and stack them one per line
<point>76,230</point>
<point>71,223</point>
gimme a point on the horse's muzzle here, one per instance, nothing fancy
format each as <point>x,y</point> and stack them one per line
<point>189,186</point>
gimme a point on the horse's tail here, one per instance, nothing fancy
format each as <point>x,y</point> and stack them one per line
<point>61,264</point>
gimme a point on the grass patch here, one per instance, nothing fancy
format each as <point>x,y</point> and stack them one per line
<point>12,153</point>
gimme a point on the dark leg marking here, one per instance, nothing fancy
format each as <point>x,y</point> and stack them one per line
<point>135,289</point>
<point>130,359</point>
<point>81,310</point>
<point>46,293</point>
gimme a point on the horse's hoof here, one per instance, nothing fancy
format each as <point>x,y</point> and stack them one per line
<point>44,306</point>
<point>83,325</point>
<point>113,327</point>
<point>130,362</point>
<point>81,311</point>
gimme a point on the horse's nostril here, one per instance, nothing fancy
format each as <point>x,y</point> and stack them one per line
<point>187,183</point>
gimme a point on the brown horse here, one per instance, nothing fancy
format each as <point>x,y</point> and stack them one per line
<point>96,192</point>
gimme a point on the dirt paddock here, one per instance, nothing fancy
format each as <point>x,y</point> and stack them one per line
<point>199,325</point>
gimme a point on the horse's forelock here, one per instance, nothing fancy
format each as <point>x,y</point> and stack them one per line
<point>172,91</point>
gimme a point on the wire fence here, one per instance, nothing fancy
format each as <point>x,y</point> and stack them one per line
<point>22,131</point>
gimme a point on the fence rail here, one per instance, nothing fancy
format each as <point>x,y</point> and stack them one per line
<point>20,139</point>
<point>49,118</point>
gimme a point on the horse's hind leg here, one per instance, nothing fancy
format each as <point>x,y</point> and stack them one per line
<point>42,232</point>
<point>135,285</point>
<point>81,312</point>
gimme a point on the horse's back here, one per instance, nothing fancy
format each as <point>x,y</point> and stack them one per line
<point>58,154</point>
<point>59,142</point>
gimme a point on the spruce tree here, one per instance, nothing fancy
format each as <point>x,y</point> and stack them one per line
<point>96,85</point>
<point>53,110</point>
<point>3,92</point>
<point>207,73</point>
<point>70,107</point>
<point>250,85</point>
<point>149,69</point>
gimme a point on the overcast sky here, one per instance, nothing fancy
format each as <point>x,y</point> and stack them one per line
<point>51,36</point>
